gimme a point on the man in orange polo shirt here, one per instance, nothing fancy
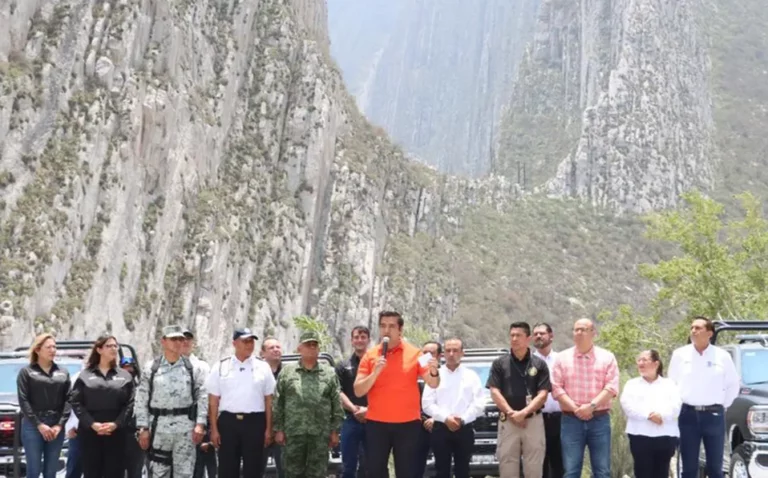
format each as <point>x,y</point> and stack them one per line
<point>394,406</point>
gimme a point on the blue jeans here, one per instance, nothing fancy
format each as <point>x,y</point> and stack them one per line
<point>74,459</point>
<point>41,456</point>
<point>352,445</point>
<point>576,434</point>
<point>696,427</point>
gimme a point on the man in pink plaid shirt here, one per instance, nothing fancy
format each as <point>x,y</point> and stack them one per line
<point>585,378</point>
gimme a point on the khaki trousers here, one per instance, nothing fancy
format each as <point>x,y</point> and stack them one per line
<point>514,442</point>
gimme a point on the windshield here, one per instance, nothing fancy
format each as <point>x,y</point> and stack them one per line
<point>481,369</point>
<point>753,369</point>
<point>9,371</point>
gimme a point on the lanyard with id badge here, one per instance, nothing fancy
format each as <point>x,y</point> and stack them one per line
<point>528,370</point>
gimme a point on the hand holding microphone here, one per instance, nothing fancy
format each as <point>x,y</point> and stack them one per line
<point>382,361</point>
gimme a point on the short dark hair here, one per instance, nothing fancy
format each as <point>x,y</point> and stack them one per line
<point>521,325</point>
<point>389,313</point>
<point>657,358</point>
<point>362,329</point>
<point>545,325</point>
<point>707,322</point>
<point>455,338</point>
<point>439,345</point>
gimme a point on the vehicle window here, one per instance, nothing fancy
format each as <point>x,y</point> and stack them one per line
<point>483,370</point>
<point>10,370</point>
<point>753,369</point>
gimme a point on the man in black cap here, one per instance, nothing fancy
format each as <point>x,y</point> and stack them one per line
<point>205,455</point>
<point>240,391</point>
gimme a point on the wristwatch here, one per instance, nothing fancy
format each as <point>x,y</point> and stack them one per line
<point>592,405</point>
<point>434,374</point>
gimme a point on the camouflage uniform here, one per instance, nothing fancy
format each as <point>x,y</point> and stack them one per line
<point>307,408</point>
<point>173,433</point>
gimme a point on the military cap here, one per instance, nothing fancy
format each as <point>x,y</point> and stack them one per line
<point>173,331</point>
<point>309,336</point>
<point>243,334</point>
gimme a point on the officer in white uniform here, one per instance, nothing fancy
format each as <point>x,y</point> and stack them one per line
<point>240,391</point>
<point>708,384</point>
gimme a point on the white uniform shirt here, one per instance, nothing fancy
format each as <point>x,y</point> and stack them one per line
<point>551,405</point>
<point>704,379</point>
<point>201,364</point>
<point>241,386</point>
<point>460,393</point>
<point>640,398</point>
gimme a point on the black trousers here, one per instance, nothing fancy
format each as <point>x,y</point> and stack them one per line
<point>134,455</point>
<point>553,459</point>
<point>242,438</point>
<point>456,446</point>
<point>399,438</point>
<point>652,455</point>
<point>103,455</point>
<point>205,461</point>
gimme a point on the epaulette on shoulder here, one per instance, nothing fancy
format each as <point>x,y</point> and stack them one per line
<point>228,357</point>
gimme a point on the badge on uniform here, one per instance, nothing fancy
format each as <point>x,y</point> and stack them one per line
<point>532,371</point>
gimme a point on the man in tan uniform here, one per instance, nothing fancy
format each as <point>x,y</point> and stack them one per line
<point>519,384</point>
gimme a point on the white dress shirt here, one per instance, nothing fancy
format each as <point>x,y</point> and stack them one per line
<point>460,394</point>
<point>241,386</point>
<point>551,405</point>
<point>640,398</point>
<point>703,379</point>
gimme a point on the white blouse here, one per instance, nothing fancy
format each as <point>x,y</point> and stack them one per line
<point>641,398</point>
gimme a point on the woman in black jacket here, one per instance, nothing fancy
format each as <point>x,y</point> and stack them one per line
<point>102,399</point>
<point>42,389</point>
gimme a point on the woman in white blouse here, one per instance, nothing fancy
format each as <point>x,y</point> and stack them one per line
<point>652,404</point>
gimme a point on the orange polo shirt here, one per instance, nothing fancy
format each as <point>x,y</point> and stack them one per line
<point>394,398</point>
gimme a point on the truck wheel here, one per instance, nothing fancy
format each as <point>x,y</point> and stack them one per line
<point>738,467</point>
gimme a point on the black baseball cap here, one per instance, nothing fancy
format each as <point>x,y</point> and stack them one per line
<point>244,334</point>
<point>188,333</point>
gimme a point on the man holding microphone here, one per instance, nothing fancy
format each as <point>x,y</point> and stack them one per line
<point>388,374</point>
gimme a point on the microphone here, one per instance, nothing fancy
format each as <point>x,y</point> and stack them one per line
<point>384,346</point>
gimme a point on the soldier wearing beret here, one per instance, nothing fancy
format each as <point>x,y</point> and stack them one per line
<point>307,412</point>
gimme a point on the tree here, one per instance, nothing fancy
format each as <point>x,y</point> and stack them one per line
<point>306,323</point>
<point>723,269</point>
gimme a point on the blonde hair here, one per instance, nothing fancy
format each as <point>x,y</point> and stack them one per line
<point>37,345</point>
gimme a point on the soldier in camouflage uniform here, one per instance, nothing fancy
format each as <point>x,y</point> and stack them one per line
<point>307,412</point>
<point>174,422</point>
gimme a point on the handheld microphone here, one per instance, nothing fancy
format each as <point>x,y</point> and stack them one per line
<point>384,346</point>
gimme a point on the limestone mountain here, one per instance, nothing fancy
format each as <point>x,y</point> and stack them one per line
<point>202,162</point>
<point>434,74</point>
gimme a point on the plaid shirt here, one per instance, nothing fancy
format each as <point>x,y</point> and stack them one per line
<point>583,376</point>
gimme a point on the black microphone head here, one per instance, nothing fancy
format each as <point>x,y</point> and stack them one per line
<point>384,345</point>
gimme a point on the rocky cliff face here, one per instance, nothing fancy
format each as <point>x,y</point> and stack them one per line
<point>620,89</point>
<point>434,74</point>
<point>197,162</point>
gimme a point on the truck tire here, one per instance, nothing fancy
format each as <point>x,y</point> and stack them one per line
<point>739,467</point>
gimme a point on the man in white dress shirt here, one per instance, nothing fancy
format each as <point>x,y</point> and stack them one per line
<point>708,384</point>
<point>454,405</point>
<point>240,391</point>
<point>553,460</point>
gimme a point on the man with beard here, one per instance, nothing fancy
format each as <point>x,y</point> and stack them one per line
<point>553,460</point>
<point>272,353</point>
<point>355,408</point>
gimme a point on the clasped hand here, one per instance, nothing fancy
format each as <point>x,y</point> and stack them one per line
<point>655,418</point>
<point>104,428</point>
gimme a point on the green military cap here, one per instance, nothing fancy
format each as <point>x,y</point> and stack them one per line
<point>173,331</point>
<point>309,336</point>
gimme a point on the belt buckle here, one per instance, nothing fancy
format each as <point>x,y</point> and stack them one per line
<point>239,416</point>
